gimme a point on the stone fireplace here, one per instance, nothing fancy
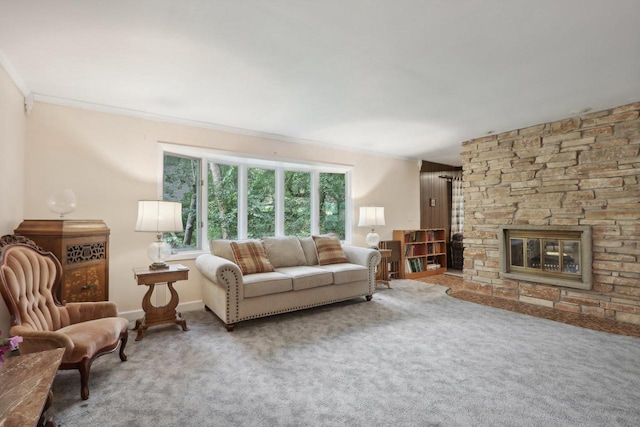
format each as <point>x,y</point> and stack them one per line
<point>582,173</point>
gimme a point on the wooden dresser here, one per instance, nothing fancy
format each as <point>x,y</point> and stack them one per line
<point>82,246</point>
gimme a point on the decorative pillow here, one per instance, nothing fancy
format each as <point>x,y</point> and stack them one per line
<point>251,257</point>
<point>329,250</point>
<point>284,251</point>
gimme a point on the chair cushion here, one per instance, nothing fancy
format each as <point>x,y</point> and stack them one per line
<point>347,272</point>
<point>329,250</point>
<point>251,257</point>
<point>284,251</point>
<point>90,336</point>
<point>305,277</point>
<point>259,284</point>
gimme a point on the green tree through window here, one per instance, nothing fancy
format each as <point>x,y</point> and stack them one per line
<point>222,209</point>
<point>332,203</point>
<point>247,201</point>
<point>297,203</point>
<point>261,193</point>
<point>180,184</point>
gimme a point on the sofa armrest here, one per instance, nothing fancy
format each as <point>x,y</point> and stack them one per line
<point>363,256</point>
<point>219,271</point>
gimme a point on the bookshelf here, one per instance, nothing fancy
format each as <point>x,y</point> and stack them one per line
<point>422,252</point>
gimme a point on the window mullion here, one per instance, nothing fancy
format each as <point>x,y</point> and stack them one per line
<point>242,201</point>
<point>315,202</point>
<point>203,226</point>
<point>279,205</point>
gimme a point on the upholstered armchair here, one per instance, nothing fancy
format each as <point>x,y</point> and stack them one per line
<point>28,280</point>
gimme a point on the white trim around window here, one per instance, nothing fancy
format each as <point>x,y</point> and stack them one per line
<point>244,161</point>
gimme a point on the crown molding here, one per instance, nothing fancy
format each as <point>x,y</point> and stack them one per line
<point>13,74</point>
<point>47,99</point>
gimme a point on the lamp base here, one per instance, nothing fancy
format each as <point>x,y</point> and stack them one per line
<point>373,239</point>
<point>159,266</point>
<point>158,251</point>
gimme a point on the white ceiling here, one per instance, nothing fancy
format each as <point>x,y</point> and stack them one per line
<point>410,79</point>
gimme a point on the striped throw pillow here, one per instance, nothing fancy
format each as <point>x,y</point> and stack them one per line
<point>251,257</point>
<point>329,250</point>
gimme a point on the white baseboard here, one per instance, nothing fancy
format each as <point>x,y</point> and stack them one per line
<point>134,315</point>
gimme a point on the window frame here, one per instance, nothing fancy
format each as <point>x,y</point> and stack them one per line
<point>243,162</point>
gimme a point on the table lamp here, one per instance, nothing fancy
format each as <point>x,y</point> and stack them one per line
<point>371,216</point>
<point>159,216</point>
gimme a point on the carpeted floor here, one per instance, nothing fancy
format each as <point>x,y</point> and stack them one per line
<point>413,356</point>
<point>455,283</point>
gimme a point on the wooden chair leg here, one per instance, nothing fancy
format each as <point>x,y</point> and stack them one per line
<point>123,342</point>
<point>84,367</point>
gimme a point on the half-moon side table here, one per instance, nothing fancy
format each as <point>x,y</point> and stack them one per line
<point>159,315</point>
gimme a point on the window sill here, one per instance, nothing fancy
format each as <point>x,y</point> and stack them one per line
<point>184,255</point>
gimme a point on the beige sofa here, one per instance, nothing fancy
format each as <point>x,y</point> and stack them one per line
<point>297,281</point>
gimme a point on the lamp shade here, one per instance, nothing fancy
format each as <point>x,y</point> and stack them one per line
<point>371,216</point>
<point>159,216</point>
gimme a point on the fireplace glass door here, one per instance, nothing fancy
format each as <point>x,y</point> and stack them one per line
<point>554,255</point>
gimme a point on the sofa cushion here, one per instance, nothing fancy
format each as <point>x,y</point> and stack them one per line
<point>259,284</point>
<point>329,250</point>
<point>251,257</point>
<point>347,272</point>
<point>222,248</point>
<point>309,249</point>
<point>305,277</point>
<point>284,251</point>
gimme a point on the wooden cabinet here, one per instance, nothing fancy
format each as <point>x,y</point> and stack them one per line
<point>422,252</point>
<point>82,247</point>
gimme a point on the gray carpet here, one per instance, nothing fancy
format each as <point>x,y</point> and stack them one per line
<point>413,356</point>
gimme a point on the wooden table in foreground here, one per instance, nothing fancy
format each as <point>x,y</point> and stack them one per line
<point>159,315</point>
<point>25,391</point>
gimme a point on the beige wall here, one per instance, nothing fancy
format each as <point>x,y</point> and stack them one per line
<point>12,138</point>
<point>111,161</point>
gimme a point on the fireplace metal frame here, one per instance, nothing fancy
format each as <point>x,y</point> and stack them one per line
<point>584,280</point>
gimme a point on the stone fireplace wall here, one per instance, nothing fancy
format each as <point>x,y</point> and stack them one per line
<point>579,171</point>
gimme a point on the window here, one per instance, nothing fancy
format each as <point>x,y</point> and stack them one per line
<point>230,197</point>
<point>222,201</point>
<point>332,204</point>
<point>180,184</point>
<point>297,203</point>
<point>261,195</point>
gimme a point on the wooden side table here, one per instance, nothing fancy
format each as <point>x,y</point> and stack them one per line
<point>382,275</point>
<point>159,315</point>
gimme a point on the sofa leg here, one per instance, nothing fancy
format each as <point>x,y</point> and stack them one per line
<point>230,327</point>
<point>369,297</point>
